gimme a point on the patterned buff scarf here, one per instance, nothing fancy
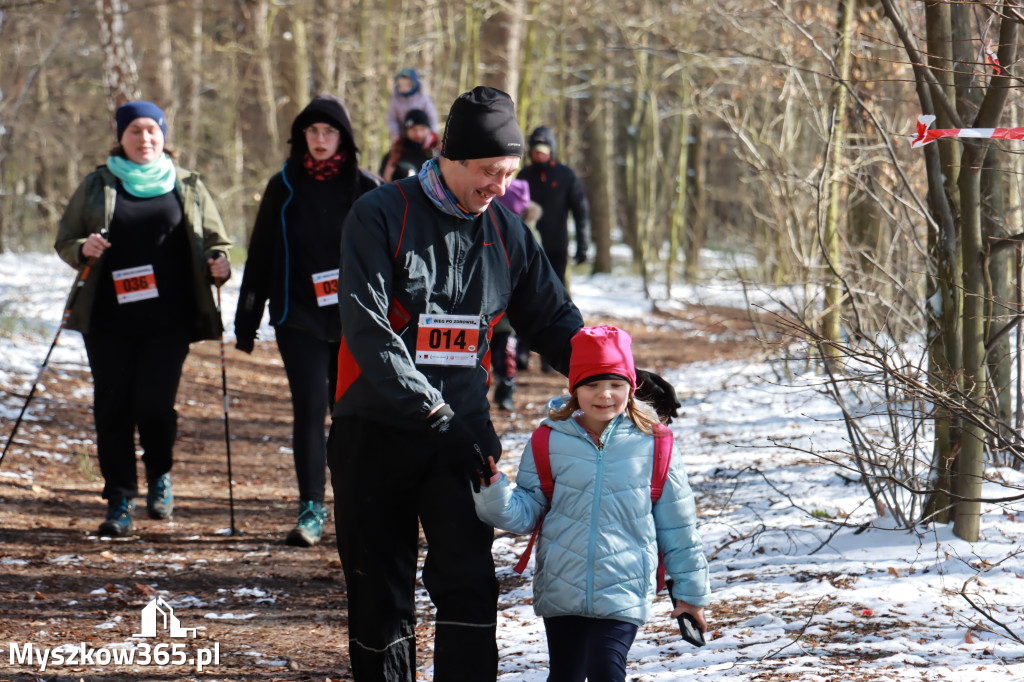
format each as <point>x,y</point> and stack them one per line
<point>433,185</point>
<point>153,179</point>
<point>326,169</point>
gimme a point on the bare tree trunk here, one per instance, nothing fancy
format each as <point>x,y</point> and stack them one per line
<point>971,467</point>
<point>943,292</point>
<point>629,175</point>
<point>530,80</point>
<point>195,87</point>
<point>500,35</point>
<point>832,314</point>
<point>261,19</point>
<point>696,227</point>
<point>598,185</point>
<point>647,186</point>
<point>165,91</point>
<point>302,69</point>
<point>326,66</point>
<point>120,73</point>
<point>44,180</point>
<point>677,225</point>
<point>345,71</point>
<point>999,300</point>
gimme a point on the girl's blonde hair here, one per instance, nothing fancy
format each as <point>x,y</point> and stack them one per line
<point>638,412</point>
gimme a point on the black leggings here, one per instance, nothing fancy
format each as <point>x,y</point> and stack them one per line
<point>312,368</point>
<point>503,355</point>
<point>387,483</point>
<point>594,649</point>
<point>135,381</point>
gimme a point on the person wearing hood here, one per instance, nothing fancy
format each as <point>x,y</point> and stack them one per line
<point>558,191</point>
<point>409,94</point>
<point>293,264</point>
<point>148,242</point>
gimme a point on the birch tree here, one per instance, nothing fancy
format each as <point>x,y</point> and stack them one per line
<point>120,72</point>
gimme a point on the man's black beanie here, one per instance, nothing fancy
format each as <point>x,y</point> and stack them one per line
<point>482,124</point>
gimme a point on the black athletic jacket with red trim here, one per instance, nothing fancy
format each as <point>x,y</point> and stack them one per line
<point>402,257</point>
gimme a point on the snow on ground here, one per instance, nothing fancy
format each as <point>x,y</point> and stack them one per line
<point>809,582</point>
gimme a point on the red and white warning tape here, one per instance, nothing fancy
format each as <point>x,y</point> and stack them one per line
<point>924,136</point>
<point>992,59</point>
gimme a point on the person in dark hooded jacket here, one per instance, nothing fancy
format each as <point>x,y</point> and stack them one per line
<point>293,263</point>
<point>559,192</point>
<point>555,187</point>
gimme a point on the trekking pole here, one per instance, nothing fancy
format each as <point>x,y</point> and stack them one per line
<point>227,422</point>
<point>72,297</point>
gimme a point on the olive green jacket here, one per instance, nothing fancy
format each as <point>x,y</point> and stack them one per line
<point>91,209</point>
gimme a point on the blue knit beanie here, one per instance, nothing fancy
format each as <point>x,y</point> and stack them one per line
<point>130,111</point>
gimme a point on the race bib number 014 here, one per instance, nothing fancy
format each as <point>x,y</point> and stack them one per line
<point>325,284</point>
<point>448,340</point>
<point>135,284</point>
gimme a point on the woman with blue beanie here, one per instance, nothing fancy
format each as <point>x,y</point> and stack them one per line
<point>148,241</point>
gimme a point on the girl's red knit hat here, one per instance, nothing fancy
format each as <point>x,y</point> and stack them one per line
<point>598,352</point>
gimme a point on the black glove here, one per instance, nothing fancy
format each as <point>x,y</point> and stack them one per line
<point>651,388</point>
<point>466,450</point>
<point>245,344</point>
<point>581,257</point>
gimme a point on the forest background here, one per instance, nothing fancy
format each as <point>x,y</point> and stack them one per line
<point>774,129</point>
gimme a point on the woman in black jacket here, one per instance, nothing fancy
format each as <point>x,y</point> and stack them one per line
<point>293,262</point>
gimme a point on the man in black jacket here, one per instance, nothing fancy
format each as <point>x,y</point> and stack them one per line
<point>555,187</point>
<point>429,266</point>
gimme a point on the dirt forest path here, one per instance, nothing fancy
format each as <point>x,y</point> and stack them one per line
<point>274,612</point>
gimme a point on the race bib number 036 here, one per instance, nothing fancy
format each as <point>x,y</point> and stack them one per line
<point>135,284</point>
<point>448,340</point>
<point>325,285</point>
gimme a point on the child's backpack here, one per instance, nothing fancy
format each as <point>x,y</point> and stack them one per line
<point>542,460</point>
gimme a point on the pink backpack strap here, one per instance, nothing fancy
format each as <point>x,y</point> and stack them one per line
<point>542,460</point>
<point>662,460</point>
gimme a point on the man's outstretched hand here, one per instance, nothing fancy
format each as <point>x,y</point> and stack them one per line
<point>651,388</point>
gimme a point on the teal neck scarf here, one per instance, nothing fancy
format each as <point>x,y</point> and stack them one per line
<point>433,185</point>
<point>153,179</point>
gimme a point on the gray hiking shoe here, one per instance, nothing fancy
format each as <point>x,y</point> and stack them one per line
<point>119,518</point>
<point>311,524</point>
<point>159,501</point>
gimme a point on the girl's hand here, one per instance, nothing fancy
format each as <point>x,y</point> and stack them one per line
<point>495,476</point>
<point>696,611</point>
<point>94,245</point>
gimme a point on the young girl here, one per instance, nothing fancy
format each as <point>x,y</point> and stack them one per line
<point>597,551</point>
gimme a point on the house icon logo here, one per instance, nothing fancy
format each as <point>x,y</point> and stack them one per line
<point>159,613</point>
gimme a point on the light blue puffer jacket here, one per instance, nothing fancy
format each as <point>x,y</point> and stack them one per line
<point>597,553</point>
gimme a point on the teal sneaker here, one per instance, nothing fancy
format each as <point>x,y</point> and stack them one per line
<point>159,501</point>
<point>311,524</point>
<point>119,518</point>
